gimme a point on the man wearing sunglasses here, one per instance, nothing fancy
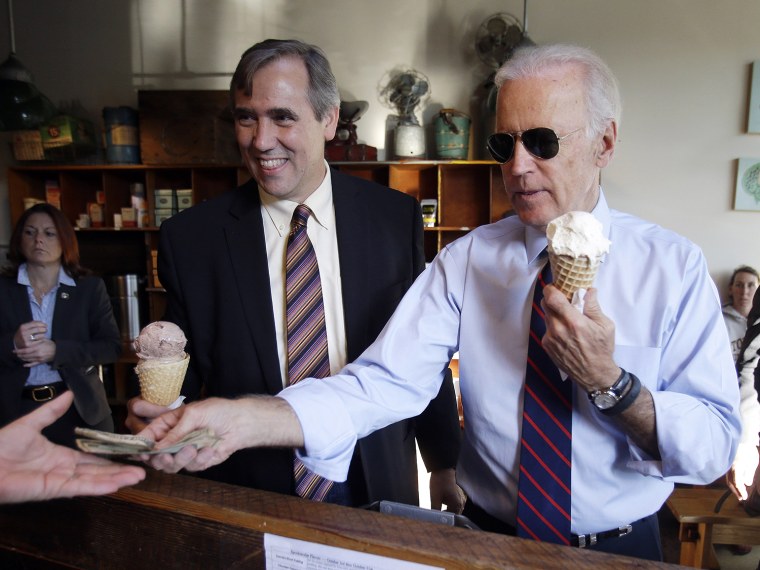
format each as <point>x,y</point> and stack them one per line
<point>654,395</point>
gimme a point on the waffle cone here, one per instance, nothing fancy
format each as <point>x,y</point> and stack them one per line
<point>572,273</point>
<point>161,382</point>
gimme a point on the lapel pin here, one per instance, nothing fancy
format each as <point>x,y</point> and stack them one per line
<point>64,295</point>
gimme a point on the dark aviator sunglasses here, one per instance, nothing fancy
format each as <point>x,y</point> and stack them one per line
<point>541,142</point>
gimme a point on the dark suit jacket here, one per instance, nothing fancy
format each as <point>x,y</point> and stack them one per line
<point>212,262</point>
<point>85,334</point>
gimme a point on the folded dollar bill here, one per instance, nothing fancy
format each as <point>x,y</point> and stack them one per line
<point>106,443</point>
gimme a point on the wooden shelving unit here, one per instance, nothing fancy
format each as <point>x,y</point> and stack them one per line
<point>469,194</point>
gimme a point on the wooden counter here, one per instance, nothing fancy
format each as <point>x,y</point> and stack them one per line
<point>175,521</point>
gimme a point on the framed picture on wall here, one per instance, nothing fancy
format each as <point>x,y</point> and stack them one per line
<point>747,195</point>
<point>753,119</point>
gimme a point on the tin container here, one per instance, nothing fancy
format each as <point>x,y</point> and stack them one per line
<point>121,134</point>
<point>452,134</point>
<point>164,199</point>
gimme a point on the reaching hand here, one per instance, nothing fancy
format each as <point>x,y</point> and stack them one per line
<point>445,491</point>
<point>741,476</point>
<point>140,413</point>
<point>32,468</point>
<point>245,422</point>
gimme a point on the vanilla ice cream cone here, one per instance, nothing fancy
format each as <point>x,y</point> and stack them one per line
<point>161,382</point>
<point>571,274</point>
<point>576,247</point>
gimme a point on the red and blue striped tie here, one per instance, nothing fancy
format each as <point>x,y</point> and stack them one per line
<point>543,491</point>
<point>307,334</point>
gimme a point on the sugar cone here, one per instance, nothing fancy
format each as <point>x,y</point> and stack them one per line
<point>161,382</point>
<point>572,273</point>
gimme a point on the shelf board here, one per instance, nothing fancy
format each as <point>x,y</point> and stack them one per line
<point>409,162</point>
<point>112,229</point>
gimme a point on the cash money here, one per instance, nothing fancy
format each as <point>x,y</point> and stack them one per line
<point>107,443</point>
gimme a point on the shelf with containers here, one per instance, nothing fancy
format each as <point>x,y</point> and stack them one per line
<point>105,248</point>
<point>468,194</point>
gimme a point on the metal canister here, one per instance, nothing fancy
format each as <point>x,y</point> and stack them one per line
<point>452,134</point>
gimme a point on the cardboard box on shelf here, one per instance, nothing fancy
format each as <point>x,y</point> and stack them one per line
<point>67,138</point>
<point>27,145</point>
<point>184,198</point>
<point>129,217</point>
<point>95,211</point>
<point>53,194</point>
<point>162,214</point>
<point>164,199</point>
<point>66,130</point>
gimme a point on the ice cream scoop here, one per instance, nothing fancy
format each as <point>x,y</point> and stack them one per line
<point>161,340</point>
<point>576,247</point>
<point>577,234</point>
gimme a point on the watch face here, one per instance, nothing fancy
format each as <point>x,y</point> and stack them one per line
<point>605,400</point>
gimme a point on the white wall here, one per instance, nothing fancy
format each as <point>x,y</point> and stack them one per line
<point>683,67</point>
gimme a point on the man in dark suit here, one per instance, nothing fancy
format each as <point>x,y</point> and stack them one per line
<point>222,264</point>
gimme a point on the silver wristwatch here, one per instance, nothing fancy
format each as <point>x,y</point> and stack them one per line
<point>609,397</point>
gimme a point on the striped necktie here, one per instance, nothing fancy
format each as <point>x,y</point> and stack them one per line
<point>543,491</point>
<point>307,334</point>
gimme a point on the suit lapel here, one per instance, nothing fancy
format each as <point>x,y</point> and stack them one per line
<point>247,250</point>
<point>353,245</point>
<point>65,304</point>
<point>20,303</point>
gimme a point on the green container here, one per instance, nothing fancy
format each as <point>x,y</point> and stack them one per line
<point>452,134</point>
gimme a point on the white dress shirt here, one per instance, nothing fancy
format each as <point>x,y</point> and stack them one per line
<point>41,374</point>
<point>750,407</point>
<point>277,215</point>
<point>475,298</point>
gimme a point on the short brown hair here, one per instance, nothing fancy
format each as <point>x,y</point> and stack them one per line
<point>323,91</point>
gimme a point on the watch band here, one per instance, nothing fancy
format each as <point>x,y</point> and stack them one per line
<point>625,402</point>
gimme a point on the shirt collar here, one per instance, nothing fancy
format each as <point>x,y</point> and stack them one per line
<point>535,239</point>
<point>63,277</point>
<point>319,202</point>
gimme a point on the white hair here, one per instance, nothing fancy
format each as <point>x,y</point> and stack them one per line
<point>601,87</point>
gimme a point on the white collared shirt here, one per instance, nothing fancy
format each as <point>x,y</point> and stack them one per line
<point>475,298</point>
<point>41,374</point>
<point>320,228</point>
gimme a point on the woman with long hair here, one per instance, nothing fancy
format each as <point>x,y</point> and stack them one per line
<point>56,327</point>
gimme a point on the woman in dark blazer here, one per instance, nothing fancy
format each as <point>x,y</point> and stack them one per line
<point>56,326</point>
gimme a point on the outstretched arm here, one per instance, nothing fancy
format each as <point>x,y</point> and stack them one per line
<point>252,421</point>
<point>33,469</point>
